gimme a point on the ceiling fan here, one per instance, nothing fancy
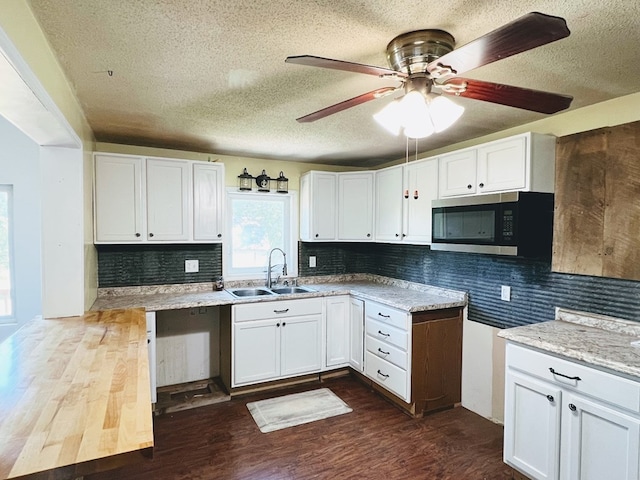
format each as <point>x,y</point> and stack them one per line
<point>425,60</point>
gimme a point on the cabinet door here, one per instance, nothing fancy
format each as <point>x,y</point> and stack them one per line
<point>337,332</point>
<point>318,197</point>
<point>503,166</point>
<point>167,200</point>
<point>356,334</point>
<point>300,345</point>
<point>532,426</point>
<point>118,199</point>
<point>208,181</point>
<point>457,173</point>
<point>421,180</point>
<point>388,204</point>
<point>355,206</point>
<point>256,351</point>
<point>598,441</point>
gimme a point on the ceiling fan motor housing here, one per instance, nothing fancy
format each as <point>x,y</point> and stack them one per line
<point>411,52</point>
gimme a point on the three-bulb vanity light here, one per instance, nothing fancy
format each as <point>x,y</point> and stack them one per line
<point>263,181</point>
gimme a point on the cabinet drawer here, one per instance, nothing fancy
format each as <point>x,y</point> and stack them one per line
<point>387,352</point>
<point>386,333</point>
<point>277,309</point>
<point>389,315</point>
<point>389,376</point>
<point>610,388</point>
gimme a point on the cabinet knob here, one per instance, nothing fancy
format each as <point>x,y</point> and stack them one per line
<point>316,235</point>
<point>151,234</point>
<point>550,398</point>
<point>219,235</point>
<point>415,195</point>
<point>481,185</point>
<point>406,194</point>
<point>469,187</point>
<point>368,234</point>
<point>284,323</point>
<point>137,234</point>
<point>277,324</point>
<point>404,235</point>
<point>397,234</point>
<point>572,407</point>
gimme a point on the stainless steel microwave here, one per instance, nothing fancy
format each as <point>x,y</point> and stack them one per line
<point>512,223</point>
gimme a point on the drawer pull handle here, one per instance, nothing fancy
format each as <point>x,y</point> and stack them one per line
<point>550,398</point>
<point>382,374</point>
<point>281,311</point>
<point>383,315</point>
<point>385,334</point>
<point>382,351</point>
<point>572,407</point>
<point>563,375</point>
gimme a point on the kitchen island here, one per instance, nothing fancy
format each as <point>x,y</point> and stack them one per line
<point>74,396</point>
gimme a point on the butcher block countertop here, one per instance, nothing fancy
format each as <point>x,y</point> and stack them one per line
<point>74,395</point>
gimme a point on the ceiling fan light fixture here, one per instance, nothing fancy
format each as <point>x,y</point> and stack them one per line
<point>390,118</point>
<point>443,111</point>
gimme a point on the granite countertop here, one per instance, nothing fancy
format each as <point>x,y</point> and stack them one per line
<point>400,294</point>
<point>594,339</point>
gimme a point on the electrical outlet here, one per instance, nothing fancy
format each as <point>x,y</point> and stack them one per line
<point>191,266</point>
<point>312,262</point>
<point>505,293</point>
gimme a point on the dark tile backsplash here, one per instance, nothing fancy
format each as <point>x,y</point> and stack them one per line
<point>130,265</point>
<point>535,290</point>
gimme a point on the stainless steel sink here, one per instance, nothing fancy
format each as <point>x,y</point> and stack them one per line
<point>290,290</point>
<point>250,292</point>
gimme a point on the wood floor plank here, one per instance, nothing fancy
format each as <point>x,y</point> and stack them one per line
<point>375,441</point>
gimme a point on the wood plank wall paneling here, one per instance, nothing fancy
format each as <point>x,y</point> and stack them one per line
<point>597,214</point>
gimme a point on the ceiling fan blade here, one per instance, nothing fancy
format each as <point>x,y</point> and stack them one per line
<point>352,102</point>
<point>312,61</point>
<point>525,33</point>
<point>527,99</point>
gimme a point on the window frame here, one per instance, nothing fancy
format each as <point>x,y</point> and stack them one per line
<point>10,318</point>
<point>290,199</point>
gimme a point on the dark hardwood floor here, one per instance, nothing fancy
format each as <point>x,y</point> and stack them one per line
<point>375,441</point>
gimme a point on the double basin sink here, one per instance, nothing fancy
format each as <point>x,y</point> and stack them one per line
<point>264,291</point>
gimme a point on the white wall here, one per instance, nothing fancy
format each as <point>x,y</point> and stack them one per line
<point>19,166</point>
<point>62,232</point>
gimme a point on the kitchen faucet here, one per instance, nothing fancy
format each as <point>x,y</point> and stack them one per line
<point>269,267</point>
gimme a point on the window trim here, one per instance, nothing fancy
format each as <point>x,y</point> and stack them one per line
<point>10,319</point>
<point>292,255</point>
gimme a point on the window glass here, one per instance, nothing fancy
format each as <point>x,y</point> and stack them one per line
<point>6,290</point>
<point>257,223</point>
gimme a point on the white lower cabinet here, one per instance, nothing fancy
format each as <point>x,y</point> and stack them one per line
<point>337,310</point>
<point>273,340</point>
<point>356,334</point>
<point>387,352</point>
<point>565,420</point>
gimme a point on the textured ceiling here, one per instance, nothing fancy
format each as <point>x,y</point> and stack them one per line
<point>209,76</point>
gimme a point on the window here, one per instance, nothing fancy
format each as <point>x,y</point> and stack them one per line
<point>6,289</point>
<point>257,223</point>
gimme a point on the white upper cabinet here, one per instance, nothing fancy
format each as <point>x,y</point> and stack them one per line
<point>388,204</point>
<point>355,206</point>
<point>168,188</point>
<point>318,206</point>
<point>403,202</point>
<point>421,185</point>
<point>118,199</point>
<point>523,162</point>
<point>150,199</point>
<point>458,172</point>
<point>208,179</point>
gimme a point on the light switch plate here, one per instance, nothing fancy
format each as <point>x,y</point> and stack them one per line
<point>505,293</point>
<point>191,266</point>
<point>312,262</point>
